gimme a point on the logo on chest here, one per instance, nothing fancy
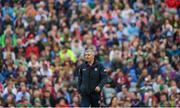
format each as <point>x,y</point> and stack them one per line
<point>84,69</point>
<point>95,69</point>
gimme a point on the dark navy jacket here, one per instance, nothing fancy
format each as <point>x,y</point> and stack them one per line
<point>91,76</point>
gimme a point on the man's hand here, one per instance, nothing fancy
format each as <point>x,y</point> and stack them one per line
<point>97,89</point>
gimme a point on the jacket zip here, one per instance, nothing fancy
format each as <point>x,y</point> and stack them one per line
<point>89,83</point>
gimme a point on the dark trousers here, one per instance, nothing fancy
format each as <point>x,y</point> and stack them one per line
<point>90,100</point>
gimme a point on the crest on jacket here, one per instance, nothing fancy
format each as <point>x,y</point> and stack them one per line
<point>95,69</point>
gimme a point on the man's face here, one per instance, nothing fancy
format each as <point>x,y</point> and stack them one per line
<point>6,5</point>
<point>23,88</point>
<point>47,94</point>
<point>89,56</point>
<point>163,98</point>
<point>9,88</point>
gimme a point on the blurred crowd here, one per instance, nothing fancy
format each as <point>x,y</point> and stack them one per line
<point>42,42</point>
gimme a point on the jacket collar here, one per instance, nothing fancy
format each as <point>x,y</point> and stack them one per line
<point>94,64</point>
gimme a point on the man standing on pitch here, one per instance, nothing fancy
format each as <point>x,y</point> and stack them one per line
<point>91,79</point>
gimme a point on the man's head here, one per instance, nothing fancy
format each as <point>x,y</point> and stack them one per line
<point>163,97</point>
<point>89,55</point>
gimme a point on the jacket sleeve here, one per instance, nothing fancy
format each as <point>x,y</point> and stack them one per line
<point>103,77</point>
<point>78,76</point>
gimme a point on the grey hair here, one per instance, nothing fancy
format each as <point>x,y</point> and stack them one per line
<point>90,50</point>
